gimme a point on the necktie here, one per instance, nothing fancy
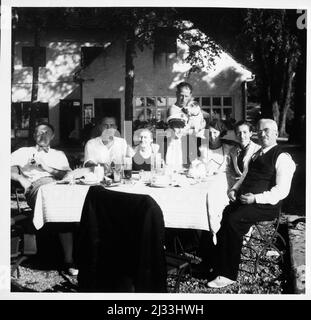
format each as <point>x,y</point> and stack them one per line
<point>240,158</point>
<point>259,153</point>
<point>45,149</point>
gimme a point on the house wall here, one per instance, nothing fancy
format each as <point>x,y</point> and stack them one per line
<point>56,79</point>
<point>160,75</point>
<point>104,78</point>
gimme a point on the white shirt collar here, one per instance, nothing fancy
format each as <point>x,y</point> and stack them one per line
<point>38,148</point>
<point>264,150</point>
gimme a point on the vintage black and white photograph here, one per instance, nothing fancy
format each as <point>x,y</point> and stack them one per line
<point>157,149</point>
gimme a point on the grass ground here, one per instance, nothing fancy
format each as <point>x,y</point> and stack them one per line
<point>269,280</point>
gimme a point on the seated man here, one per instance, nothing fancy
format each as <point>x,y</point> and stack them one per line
<point>106,148</point>
<point>36,166</point>
<point>241,155</point>
<point>255,197</point>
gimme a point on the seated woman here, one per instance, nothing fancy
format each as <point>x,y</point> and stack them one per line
<point>142,153</point>
<point>215,157</point>
<point>213,165</point>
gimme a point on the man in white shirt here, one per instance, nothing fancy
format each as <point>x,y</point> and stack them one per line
<point>255,197</point>
<point>36,166</point>
<point>106,148</point>
<point>188,109</point>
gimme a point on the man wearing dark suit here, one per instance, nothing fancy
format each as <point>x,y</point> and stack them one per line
<point>255,197</point>
<point>240,155</point>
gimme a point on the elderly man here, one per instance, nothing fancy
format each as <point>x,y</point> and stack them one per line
<point>36,166</point>
<point>241,154</point>
<point>106,148</point>
<point>256,197</point>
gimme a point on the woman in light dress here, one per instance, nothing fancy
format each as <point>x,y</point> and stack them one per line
<point>212,166</point>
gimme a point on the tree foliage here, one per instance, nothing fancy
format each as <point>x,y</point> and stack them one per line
<point>274,54</point>
<point>272,46</point>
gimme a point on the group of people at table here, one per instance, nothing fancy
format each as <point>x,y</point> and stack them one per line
<point>258,175</point>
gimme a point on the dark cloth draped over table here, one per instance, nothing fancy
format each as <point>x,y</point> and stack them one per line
<point>121,243</point>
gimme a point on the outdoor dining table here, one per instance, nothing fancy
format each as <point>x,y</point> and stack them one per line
<point>194,205</point>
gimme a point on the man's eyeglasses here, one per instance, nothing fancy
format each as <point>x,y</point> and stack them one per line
<point>265,130</point>
<point>108,126</point>
<point>41,133</point>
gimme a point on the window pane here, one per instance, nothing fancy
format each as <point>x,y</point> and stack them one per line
<point>206,101</point>
<point>32,56</point>
<point>149,113</point>
<point>140,102</point>
<point>161,101</point>
<point>139,112</point>
<point>227,101</point>
<point>216,113</point>
<point>151,101</point>
<point>228,113</point>
<point>197,99</point>
<point>216,101</point>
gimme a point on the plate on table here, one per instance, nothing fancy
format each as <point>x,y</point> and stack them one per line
<point>62,182</point>
<point>88,182</point>
<point>114,184</point>
<point>159,185</point>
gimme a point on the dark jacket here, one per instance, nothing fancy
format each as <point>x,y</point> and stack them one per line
<point>121,243</point>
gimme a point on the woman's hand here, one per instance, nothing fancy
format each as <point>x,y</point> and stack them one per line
<point>232,195</point>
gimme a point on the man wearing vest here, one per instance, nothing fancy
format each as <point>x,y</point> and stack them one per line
<point>255,197</point>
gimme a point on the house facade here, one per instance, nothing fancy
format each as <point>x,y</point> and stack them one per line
<point>82,77</point>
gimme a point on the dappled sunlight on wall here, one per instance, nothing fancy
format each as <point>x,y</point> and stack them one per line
<point>21,92</point>
<point>55,79</point>
<point>226,73</point>
<point>52,93</point>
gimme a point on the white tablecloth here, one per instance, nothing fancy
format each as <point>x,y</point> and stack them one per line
<point>59,203</point>
<point>197,206</point>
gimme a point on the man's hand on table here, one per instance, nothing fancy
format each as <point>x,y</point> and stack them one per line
<point>77,174</point>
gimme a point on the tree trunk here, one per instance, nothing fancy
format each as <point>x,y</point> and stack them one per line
<point>287,102</point>
<point>35,68</point>
<point>265,86</point>
<point>129,75</point>
<point>276,112</point>
<point>35,84</point>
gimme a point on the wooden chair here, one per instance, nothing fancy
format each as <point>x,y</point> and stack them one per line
<point>176,267</point>
<point>23,243</point>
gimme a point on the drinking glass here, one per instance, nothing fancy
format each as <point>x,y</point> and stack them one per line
<point>117,170</point>
<point>127,171</point>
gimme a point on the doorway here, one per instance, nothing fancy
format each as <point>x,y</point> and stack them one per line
<point>108,107</point>
<point>70,122</point>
